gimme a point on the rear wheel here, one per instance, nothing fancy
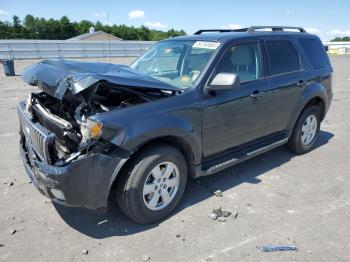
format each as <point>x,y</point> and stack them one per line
<point>305,131</point>
<point>152,184</point>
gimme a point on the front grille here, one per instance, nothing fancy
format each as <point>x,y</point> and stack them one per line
<point>38,137</point>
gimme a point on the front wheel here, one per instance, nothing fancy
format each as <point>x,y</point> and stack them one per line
<point>305,131</point>
<point>152,184</point>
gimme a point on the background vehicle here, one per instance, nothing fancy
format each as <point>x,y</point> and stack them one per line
<point>190,106</point>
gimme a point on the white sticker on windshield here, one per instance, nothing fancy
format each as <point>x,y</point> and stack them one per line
<point>206,45</point>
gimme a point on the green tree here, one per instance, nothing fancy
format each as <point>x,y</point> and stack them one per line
<point>98,26</point>
<point>83,26</point>
<point>5,30</point>
<point>41,28</point>
<point>144,33</point>
<point>30,28</point>
<point>17,31</point>
<point>66,28</point>
<point>341,39</point>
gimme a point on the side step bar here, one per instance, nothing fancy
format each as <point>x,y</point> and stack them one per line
<point>238,157</point>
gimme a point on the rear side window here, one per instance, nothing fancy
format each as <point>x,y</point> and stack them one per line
<point>282,57</point>
<point>315,52</point>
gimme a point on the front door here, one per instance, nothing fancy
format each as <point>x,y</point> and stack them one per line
<point>234,117</point>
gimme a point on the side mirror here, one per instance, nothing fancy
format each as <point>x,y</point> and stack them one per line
<point>224,81</point>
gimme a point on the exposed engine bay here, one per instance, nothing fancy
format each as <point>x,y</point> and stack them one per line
<point>68,118</point>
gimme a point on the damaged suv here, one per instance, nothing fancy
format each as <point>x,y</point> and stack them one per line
<point>190,106</point>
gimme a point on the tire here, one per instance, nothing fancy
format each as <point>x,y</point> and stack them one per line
<point>298,142</point>
<point>143,173</point>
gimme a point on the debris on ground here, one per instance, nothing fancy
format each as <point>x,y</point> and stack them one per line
<point>146,258</point>
<point>85,251</point>
<point>220,215</point>
<point>178,236</point>
<point>11,183</point>
<point>222,219</point>
<point>48,201</point>
<point>213,216</point>
<point>277,248</point>
<point>102,222</point>
<point>12,231</point>
<point>2,245</point>
<point>218,193</point>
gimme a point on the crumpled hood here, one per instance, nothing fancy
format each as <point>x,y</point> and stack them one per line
<point>56,76</point>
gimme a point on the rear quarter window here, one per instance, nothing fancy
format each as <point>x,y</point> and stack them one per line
<point>315,52</point>
<point>282,57</point>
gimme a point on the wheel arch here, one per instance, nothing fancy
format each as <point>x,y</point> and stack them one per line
<point>181,144</point>
<point>317,101</point>
<point>314,100</point>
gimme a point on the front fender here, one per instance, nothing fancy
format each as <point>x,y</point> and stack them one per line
<point>178,116</point>
<point>137,133</point>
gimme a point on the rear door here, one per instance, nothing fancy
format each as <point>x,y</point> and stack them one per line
<point>286,80</point>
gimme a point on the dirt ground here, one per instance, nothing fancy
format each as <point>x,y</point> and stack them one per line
<point>279,198</point>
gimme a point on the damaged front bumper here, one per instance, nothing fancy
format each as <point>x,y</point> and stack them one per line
<point>84,182</point>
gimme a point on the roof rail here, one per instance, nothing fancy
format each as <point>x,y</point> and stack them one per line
<point>251,29</point>
<point>276,28</point>
<point>219,30</point>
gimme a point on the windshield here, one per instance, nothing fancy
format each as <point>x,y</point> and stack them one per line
<point>178,63</point>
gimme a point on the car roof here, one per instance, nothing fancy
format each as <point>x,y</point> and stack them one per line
<point>228,36</point>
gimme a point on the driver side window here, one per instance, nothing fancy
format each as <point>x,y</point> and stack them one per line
<point>243,60</point>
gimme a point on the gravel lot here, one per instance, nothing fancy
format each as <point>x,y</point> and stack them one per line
<point>280,198</point>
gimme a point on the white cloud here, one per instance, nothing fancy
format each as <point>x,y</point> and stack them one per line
<point>321,34</point>
<point>341,32</point>
<point>99,15</point>
<point>3,12</point>
<point>136,14</point>
<point>327,35</point>
<point>155,24</point>
<point>232,26</point>
<point>312,30</point>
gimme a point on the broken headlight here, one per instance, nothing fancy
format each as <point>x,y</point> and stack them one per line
<point>91,129</point>
<point>28,102</point>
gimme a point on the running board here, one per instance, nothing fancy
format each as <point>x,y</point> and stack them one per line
<point>238,157</point>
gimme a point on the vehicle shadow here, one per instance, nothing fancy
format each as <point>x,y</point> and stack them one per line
<point>115,223</point>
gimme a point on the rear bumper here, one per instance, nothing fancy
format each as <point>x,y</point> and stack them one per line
<point>84,182</point>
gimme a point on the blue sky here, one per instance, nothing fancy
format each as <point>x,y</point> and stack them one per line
<point>325,18</point>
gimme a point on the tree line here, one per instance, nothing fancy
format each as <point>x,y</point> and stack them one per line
<point>341,39</point>
<point>40,28</point>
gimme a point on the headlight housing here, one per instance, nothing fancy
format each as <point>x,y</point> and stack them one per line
<point>91,129</point>
<point>28,102</point>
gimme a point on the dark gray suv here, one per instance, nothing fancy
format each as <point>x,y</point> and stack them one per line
<point>190,106</point>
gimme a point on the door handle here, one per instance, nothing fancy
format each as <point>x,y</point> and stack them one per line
<point>301,84</point>
<point>257,94</point>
